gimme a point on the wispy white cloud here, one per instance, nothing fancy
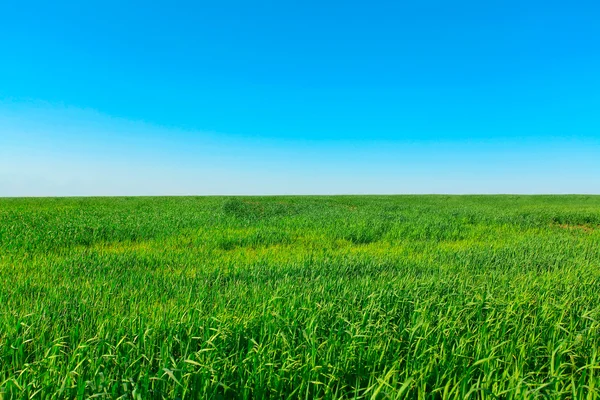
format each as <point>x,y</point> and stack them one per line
<point>48,150</point>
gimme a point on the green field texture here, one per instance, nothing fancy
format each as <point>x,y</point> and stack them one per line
<point>373,297</point>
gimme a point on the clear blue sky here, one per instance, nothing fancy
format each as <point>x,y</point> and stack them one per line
<point>254,97</point>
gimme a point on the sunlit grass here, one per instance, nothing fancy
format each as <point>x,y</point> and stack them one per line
<point>300,297</point>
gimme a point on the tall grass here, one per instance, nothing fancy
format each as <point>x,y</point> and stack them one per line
<point>366,297</point>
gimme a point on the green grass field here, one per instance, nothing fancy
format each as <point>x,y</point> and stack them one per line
<point>300,297</point>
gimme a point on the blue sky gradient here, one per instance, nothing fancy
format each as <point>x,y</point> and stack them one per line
<point>312,97</point>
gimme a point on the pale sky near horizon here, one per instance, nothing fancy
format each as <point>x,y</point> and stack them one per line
<point>203,98</point>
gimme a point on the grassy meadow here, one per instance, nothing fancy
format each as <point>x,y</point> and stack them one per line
<point>370,297</point>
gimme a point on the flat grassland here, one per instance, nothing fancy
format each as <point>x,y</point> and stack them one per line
<point>300,297</point>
